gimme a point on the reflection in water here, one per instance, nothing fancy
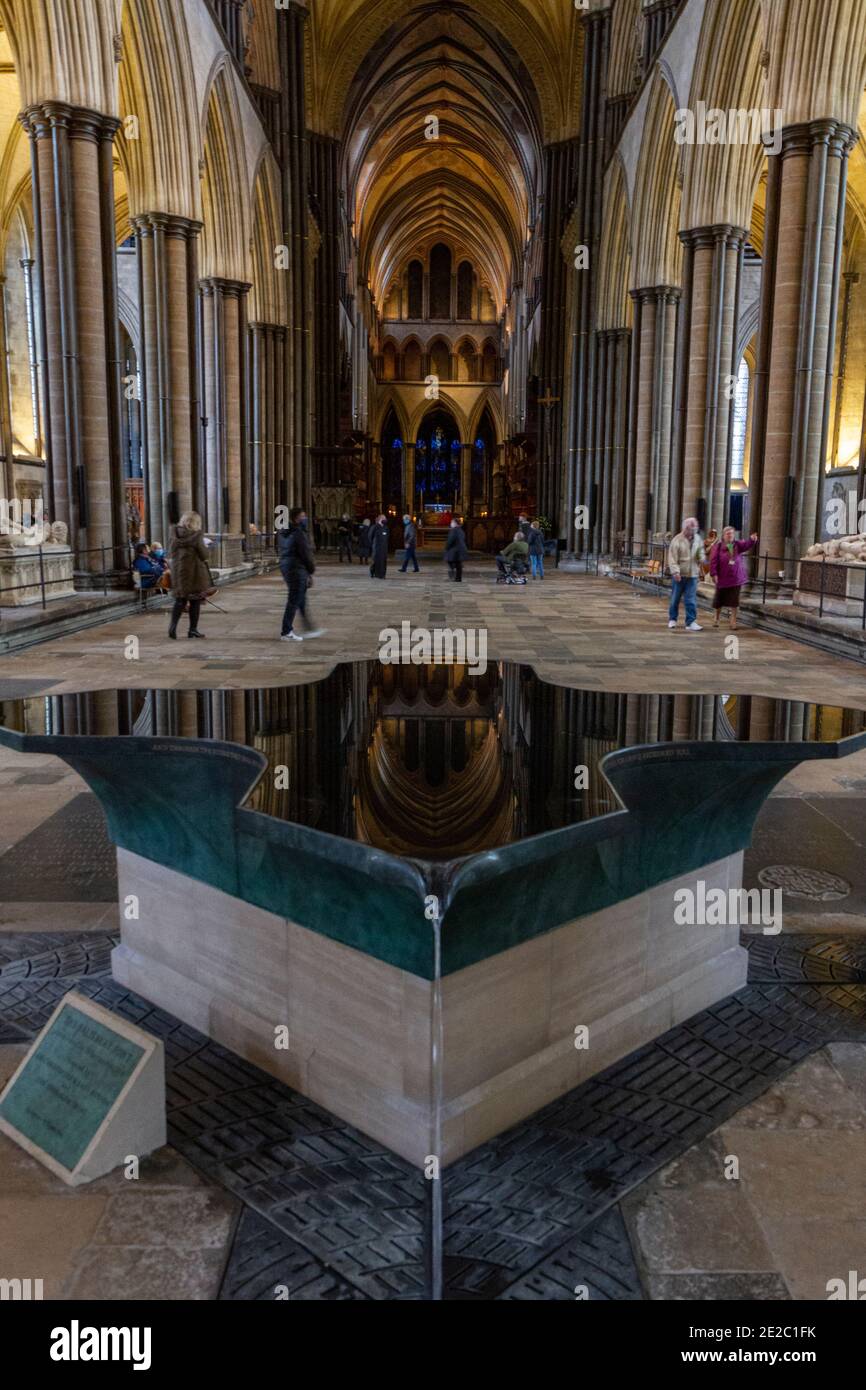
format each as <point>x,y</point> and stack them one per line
<point>428,760</point>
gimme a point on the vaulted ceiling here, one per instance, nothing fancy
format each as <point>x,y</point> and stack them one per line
<point>442,127</point>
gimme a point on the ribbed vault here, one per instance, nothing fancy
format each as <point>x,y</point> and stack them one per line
<point>474,185</point>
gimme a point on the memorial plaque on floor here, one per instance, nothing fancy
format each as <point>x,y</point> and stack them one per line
<point>89,1095</point>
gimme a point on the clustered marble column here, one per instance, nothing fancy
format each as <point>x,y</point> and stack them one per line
<point>73,198</point>
<point>607,497</point>
<point>270,461</point>
<point>294,152</point>
<point>171,424</point>
<point>224,333</point>
<point>651,389</point>
<point>560,161</point>
<point>588,176</point>
<point>324,187</point>
<point>706,374</point>
<point>804,225</point>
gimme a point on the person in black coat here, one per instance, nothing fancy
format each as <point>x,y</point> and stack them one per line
<point>297,567</point>
<point>410,541</point>
<point>365,541</point>
<point>379,541</point>
<point>344,538</point>
<point>456,551</point>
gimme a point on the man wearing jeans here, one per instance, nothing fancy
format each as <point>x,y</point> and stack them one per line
<point>685,557</point>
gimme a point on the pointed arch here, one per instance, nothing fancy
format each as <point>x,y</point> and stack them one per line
<point>719,181</point>
<point>614,305</point>
<point>225,215</point>
<point>269,297</point>
<point>656,211</point>
<point>160,148</point>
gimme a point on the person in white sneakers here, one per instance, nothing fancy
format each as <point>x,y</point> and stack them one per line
<point>685,557</point>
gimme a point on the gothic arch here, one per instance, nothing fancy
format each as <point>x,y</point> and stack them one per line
<point>161,163</point>
<point>720,180</point>
<point>656,211</point>
<point>225,234</point>
<point>614,304</point>
<point>269,297</point>
<point>446,399</point>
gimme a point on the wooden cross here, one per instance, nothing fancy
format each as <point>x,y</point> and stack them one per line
<point>547,401</point>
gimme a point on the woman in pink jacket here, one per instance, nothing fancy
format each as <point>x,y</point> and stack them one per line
<point>728,571</point>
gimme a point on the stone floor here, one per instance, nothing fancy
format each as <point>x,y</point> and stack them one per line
<point>261,1194</point>
<point>573,628</point>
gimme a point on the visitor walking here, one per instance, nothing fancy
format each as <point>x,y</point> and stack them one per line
<point>379,543</point>
<point>728,569</point>
<point>685,557</point>
<point>297,567</point>
<point>536,550</point>
<point>344,538</point>
<point>365,541</point>
<point>191,579</point>
<point>456,551</point>
<point>410,542</point>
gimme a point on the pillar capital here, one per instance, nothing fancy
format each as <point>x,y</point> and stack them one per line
<point>714,235</point>
<point>229,289</point>
<point>147,224</point>
<point>802,138</point>
<point>80,122</point>
<point>655,294</point>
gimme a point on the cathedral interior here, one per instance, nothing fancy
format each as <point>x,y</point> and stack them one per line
<point>578,287</point>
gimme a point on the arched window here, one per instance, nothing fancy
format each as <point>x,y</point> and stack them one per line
<point>440,282</point>
<point>440,360</point>
<point>389,362</point>
<point>412,361</point>
<point>465,287</point>
<point>741,415</point>
<point>415,281</point>
<point>489,362</point>
<point>466,362</point>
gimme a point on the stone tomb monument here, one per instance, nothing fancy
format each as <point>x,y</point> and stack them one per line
<point>30,556</point>
<point>89,1093</point>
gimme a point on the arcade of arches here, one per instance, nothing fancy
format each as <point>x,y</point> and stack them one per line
<point>447,257</point>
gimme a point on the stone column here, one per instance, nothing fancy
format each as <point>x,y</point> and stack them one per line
<point>223,334</point>
<point>324,185</point>
<point>291,24</point>
<point>586,221</point>
<point>466,479</point>
<point>651,393</point>
<point>804,225</point>
<point>74,242</point>
<point>559,181</point>
<point>608,485</point>
<point>707,374</point>
<point>410,478</point>
<point>171,415</point>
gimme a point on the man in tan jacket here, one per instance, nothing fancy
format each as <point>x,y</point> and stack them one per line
<point>685,557</point>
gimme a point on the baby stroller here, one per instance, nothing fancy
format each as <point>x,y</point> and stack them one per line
<point>510,571</point>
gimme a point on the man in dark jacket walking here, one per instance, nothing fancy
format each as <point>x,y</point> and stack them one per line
<point>456,551</point>
<point>379,538</point>
<point>297,567</point>
<point>410,541</point>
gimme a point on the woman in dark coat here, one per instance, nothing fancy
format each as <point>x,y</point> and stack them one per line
<point>379,567</point>
<point>190,572</point>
